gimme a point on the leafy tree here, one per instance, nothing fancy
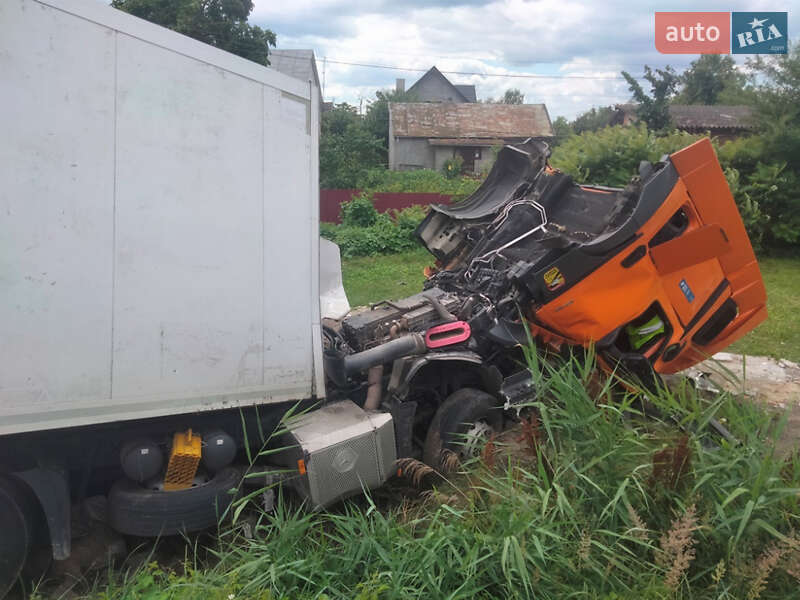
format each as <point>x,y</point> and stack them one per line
<point>654,109</point>
<point>220,23</point>
<point>778,105</point>
<point>594,119</point>
<point>774,181</point>
<point>713,79</point>
<point>377,117</point>
<point>562,130</point>
<point>347,148</point>
<point>511,96</point>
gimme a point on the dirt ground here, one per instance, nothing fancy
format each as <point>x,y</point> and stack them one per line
<point>775,383</point>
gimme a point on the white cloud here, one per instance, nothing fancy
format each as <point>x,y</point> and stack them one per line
<point>587,43</point>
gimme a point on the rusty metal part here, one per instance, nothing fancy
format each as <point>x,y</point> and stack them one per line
<point>374,391</point>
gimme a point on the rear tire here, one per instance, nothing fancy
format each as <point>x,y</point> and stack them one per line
<point>143,512</point>
<point>20,519</point>
<point>467,410</point>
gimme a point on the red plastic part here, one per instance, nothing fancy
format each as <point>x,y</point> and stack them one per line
<point>447,334</point>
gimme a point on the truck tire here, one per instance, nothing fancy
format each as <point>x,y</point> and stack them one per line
<point>462,412</point>
<point>140,511</point>
<point>19,518</point>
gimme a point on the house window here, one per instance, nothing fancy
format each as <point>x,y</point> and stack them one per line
<point>477,153</point>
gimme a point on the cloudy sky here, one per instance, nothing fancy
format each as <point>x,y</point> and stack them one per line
<point>579,45</point>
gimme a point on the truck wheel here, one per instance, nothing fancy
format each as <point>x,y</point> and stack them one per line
<point>462,424</point>
<point>141,511</point>
<point>19,518</point>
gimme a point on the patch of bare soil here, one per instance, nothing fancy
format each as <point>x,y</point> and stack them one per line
<point>774,383</point>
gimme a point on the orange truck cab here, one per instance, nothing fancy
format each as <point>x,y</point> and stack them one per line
<point>660,273</point>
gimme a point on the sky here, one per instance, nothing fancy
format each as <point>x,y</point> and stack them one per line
<point>577,47</point>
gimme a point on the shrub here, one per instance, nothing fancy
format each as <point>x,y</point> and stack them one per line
<point>765,191</point>
<point>774,192</point>
<point>358,212</point>
<point>742,154</point>
<point>611,156</point>
<point>452,167</point>
<point>409,218</point>
<point>385,234</point>
<point>328,230</point>
<point>420,181</point>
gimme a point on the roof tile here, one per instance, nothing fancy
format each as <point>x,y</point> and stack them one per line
<point>467,120</point>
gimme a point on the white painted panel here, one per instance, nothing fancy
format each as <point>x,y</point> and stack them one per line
<point>153,241</point>
<point>99,12</point>
<point>188,272</point>
<point>56,203</point>
<point>287,225</point>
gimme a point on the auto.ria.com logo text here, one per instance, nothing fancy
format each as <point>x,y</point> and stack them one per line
<point>721,32</point>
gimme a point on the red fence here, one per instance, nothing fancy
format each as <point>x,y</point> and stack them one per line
<point>330,200</point>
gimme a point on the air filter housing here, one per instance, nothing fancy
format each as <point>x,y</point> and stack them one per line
<point>343,450</point>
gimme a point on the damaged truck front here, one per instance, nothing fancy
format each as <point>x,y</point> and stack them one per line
<point>656,277</point>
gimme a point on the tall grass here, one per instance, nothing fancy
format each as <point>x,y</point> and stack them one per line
<point>596,501</point>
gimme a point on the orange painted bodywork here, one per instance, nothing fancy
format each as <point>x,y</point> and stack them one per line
<point>713,248</point>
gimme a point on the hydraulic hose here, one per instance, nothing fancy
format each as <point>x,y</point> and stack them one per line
<point>439,307</point>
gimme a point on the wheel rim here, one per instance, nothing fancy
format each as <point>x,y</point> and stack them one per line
<point>472,441</point>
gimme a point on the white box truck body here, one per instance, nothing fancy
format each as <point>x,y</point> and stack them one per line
<point>158,223</point>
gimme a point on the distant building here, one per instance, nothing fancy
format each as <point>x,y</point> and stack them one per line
<point>721,121</point>
<point>423,135</point>
<point>435,87</point>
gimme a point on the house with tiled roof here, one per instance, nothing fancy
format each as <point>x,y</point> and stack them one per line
<point>722,121</point>
<point>423,135</point>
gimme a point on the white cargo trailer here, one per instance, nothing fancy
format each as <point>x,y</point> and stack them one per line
<point>159,223</point>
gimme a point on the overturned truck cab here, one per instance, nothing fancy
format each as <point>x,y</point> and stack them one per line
<point>662,270</point>
<point>657,277</point>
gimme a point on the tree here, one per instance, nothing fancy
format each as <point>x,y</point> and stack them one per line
<point>561,130</point>
<point>654,109</point>
<point>511,96</point>
<point>347,148</point>
<point>220,23</point>
<point>713,79</point>
<point>593,119</point>
<point>377,117</point>
<point>778,105</point>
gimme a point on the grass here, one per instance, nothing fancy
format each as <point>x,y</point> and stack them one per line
<point>592,501</point>
<point>779,335</point>
<point>393,276</point>
<point>369,279</point>
<point>598,503</point>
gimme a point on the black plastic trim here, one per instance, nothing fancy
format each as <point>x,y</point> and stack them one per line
<point>638,254</point>
<point>706,306</point>
<point>715,325</point>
